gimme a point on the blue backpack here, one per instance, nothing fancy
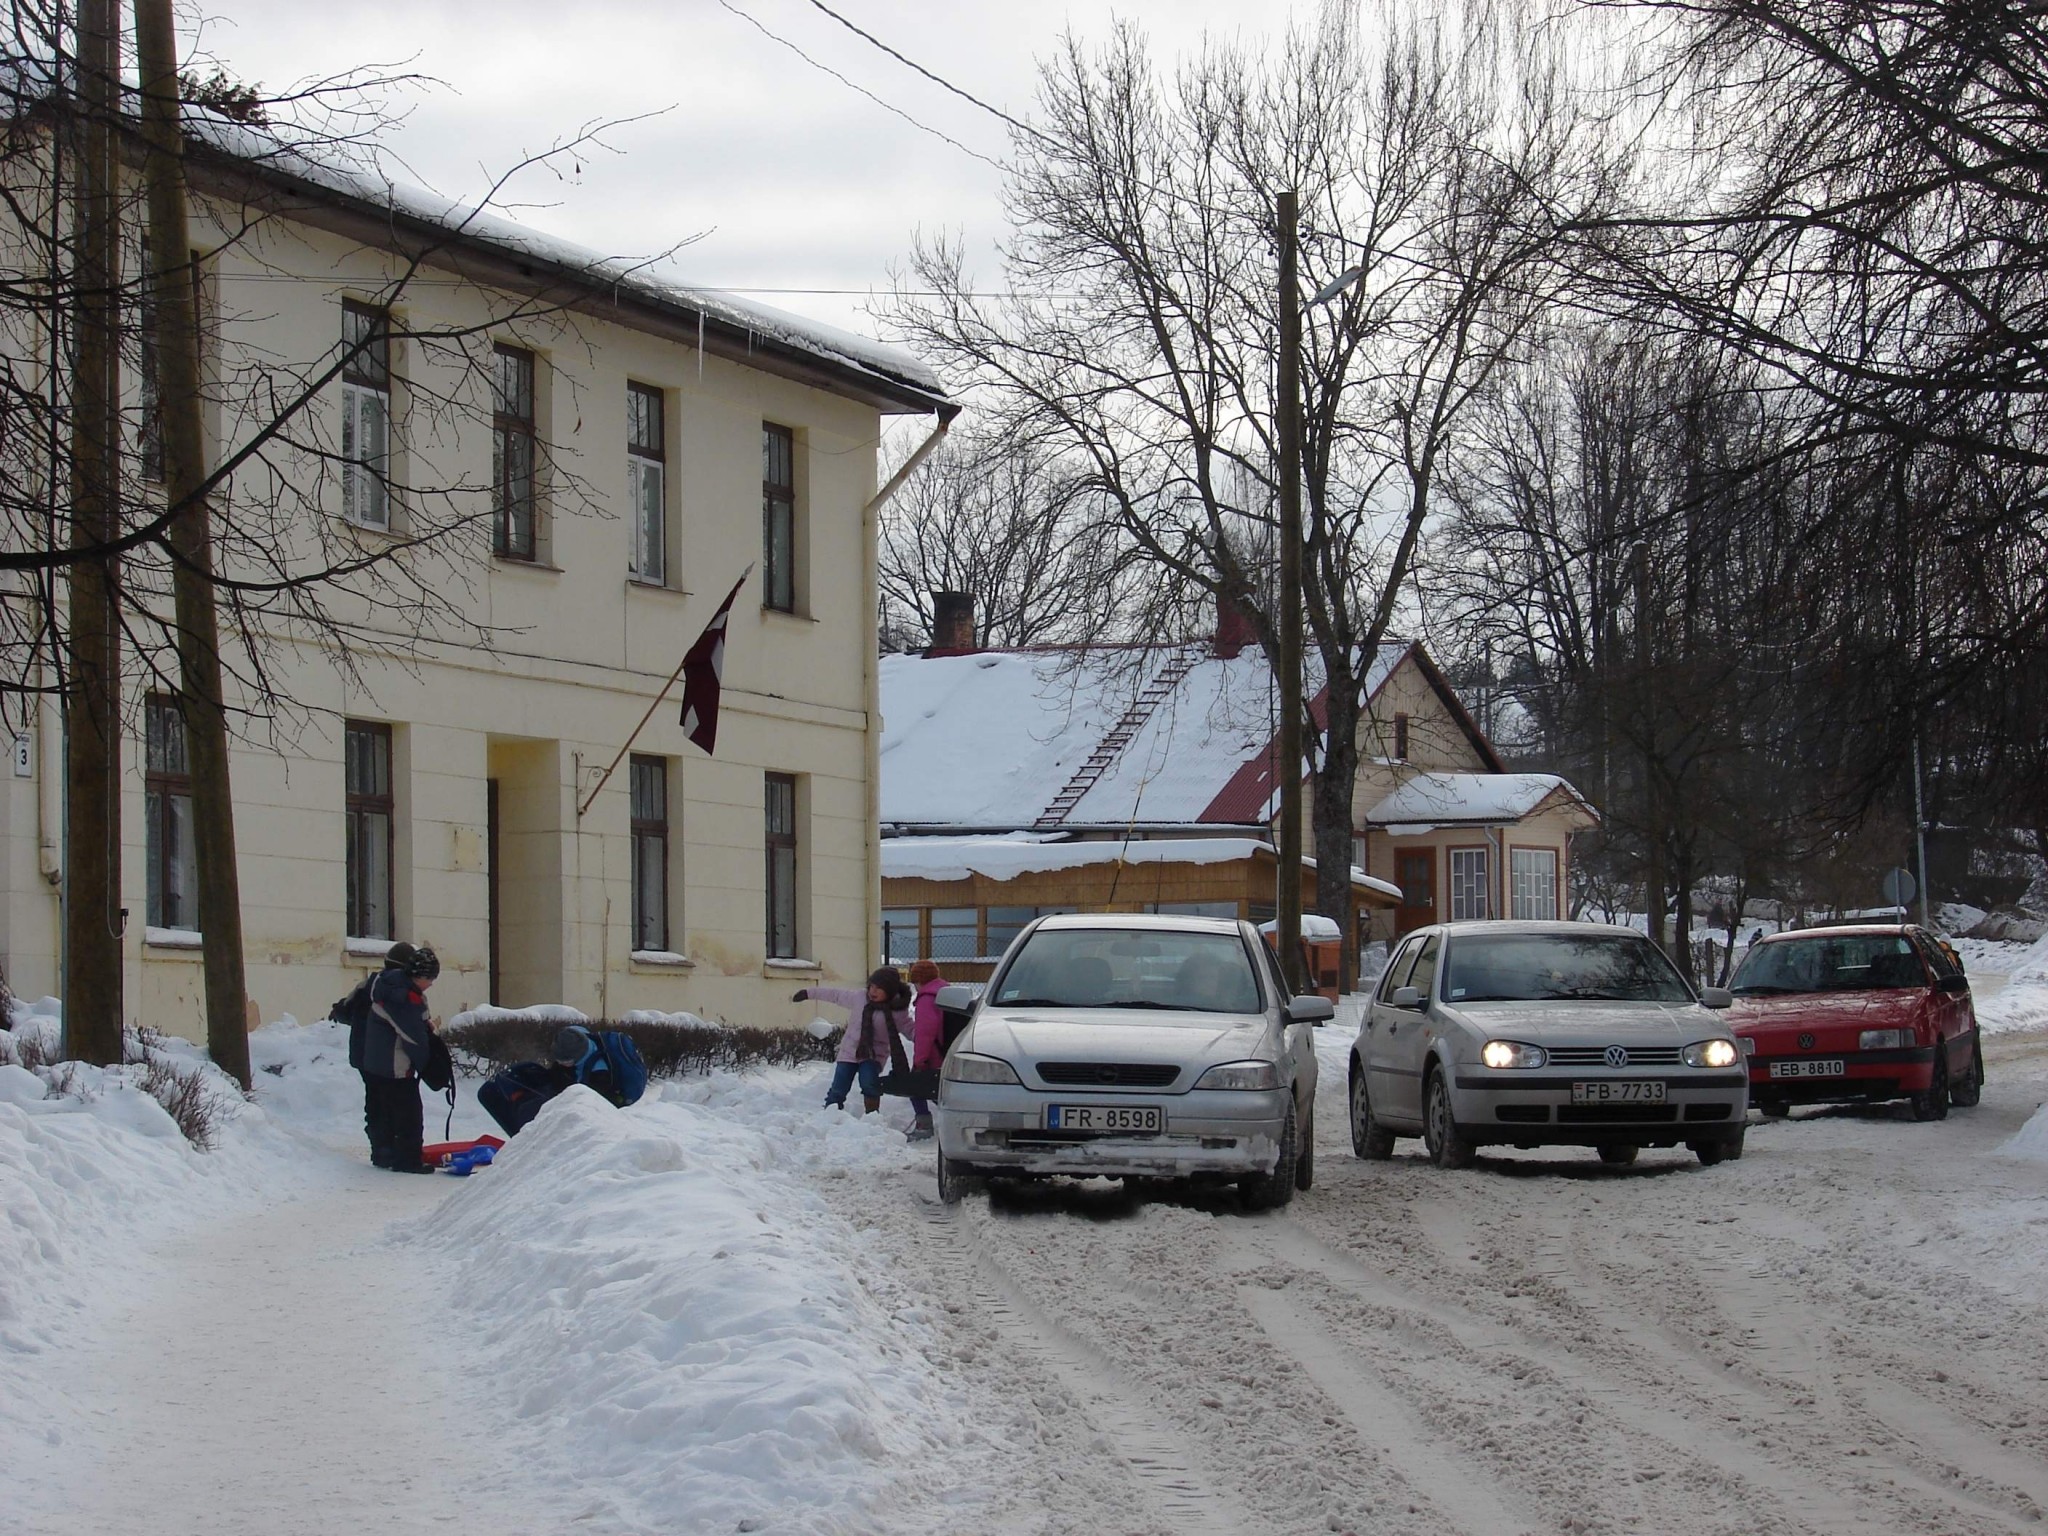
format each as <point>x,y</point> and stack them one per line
<point>613,1067</point>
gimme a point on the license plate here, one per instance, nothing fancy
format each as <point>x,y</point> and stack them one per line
<point>1618,1093</point>
<point>1833,1067</point>
<point>1130,1118</point>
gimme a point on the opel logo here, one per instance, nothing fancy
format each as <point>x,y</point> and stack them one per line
<point>1617,1058</point>
<point>1107,1074</point>
<point>1806,1042</point>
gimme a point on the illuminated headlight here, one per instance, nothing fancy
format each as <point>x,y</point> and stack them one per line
<point>1512,1053</point>
<point>1241,1075</point>
<point>1711,1053</point>
<point>1884,1039</point>
<point>966,1067</point>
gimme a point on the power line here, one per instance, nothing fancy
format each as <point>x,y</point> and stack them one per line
<point>938,80</point>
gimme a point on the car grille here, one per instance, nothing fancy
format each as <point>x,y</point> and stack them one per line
<point>1709,1111</point>
<point>1615,1114</point>
<point>1596,1055</point>
<point>1522,1114</point>
<point>1108,1074</point>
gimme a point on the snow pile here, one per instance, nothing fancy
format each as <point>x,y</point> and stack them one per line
<point>2022,1002</point>
<point>2031,1140</point>
<point>539,1013</point>
<point>672,1305</point>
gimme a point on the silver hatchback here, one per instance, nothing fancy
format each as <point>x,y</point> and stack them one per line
<point>1544,1034</point>
<point>1132,1047</point>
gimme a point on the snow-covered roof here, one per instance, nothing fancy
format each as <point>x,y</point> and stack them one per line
<point>988,740</point>
<point>1452,799</point>
<point>1021,853</point>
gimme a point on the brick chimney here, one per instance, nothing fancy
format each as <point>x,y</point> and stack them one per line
<point>1233,630</point>
<point>952,624</point>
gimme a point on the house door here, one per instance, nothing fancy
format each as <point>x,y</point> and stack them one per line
<point>1415,873</point>
<point>491,886</point>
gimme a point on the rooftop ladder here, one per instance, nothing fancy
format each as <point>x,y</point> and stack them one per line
<point>1119,736</point>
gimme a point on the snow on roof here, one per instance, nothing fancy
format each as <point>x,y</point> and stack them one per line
<point>987,740</point>
<point>1442,799</point>
<point>1019,853</point>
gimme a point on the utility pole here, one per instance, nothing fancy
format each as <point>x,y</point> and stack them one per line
<point>93,916</point>
<point>1287,900</point>
<point>199,677</point>
<point>1653,826</point>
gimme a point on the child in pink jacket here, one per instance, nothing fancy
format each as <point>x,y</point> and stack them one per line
<point>880,1015</point>
<point>927,1035</point>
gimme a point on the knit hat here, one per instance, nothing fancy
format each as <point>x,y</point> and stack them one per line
<point>888,978</point>
<point>922,971</point>
<point>424,965</point>
<point>570,1044</point>
<point>401,955</point>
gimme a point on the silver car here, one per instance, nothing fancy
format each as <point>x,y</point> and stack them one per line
<point>1133,1047</point>
<point>1544,1034</point>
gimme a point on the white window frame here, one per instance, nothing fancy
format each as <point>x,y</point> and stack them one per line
<point>1469,881</point>
<point>1532,884</point>
<point>365,455</point>
<point>647,493</point>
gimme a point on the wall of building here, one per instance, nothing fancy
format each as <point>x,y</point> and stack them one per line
<point>572,653</point>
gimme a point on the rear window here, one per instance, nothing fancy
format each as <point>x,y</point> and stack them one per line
<point>1117,968</point>
<point>1532,967</point>
<point>1843,962</point>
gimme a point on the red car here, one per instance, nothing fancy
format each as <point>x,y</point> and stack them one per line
<point>1857,1015</point>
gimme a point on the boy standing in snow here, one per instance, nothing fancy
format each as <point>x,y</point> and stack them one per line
<point>395,1049</point>
<point>880,1016</point>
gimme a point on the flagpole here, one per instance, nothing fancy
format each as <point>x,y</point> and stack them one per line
<point>605,777</point>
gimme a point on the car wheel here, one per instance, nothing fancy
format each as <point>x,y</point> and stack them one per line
<point>1369,1139</point>
<point>1933,1104</point>
<point>953,1179</point>
<point>1776,1111</point>
<point>1618,1157</point>
<point>1305,1159</point>
<point>1447,1148</point>
<point>1270,1191</point>
<point>1725,1149</point>
<point>1965,1094</point>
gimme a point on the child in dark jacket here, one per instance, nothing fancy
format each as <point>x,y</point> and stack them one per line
<point>880,1016</point>
<point>927,1050</point>
<point>395,1049</point>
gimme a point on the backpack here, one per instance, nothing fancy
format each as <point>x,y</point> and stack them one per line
<point>354,1011</point>
<point>620,1062</point>
<point>514,1096</point>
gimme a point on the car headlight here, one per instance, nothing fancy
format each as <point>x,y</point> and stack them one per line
<point>966,1067</point>
<point>1710,1053</point>
<point>1884,1039</point>
<point>1242,1075</point>
<point>1512,1053</point>
<point>1748,1045</point>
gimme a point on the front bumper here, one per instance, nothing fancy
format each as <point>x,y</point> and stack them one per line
<point>1536,1108</point>
<point>1000,1128</point>
<point>1868,1077</point>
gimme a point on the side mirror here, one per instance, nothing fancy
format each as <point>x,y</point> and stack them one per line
<point>1406,997</point>
<point>1310,1009</point>
<point>1716,997</point>
<point>957,997</point>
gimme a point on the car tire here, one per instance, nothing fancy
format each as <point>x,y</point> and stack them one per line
<point>1776,1111</point>
<point>1617,1157</point>
<point>1723,1149</point>
<point>1270,1191</point>
<point>1447,1147</point>
<point>1967,1093</point>
<point>954,1176</point>
<point>1369,1139</point>
<point>1305,1158</point>
<point>1933,1104</point>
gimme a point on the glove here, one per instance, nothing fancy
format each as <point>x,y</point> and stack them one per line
<point>799,994</point>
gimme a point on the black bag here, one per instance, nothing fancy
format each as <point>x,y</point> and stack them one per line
<point>354,1011</point>
<point>515,1095</point>
<point>439,1072</point>
<point>905,1083</point>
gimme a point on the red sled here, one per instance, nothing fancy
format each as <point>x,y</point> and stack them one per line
<point>441,1151</point>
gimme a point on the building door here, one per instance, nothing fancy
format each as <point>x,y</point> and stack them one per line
<point>491,888</point>
<point>1415,873</point>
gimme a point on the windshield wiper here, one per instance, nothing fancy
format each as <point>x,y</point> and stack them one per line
<point>1589,995</point>
<point>1762,989</point>
<point>1032,1002</point>
<point>1490,997</point>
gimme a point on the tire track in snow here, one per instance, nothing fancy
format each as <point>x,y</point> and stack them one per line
<point>1159,1459</point>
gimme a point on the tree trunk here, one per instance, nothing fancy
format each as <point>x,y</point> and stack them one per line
<point>93,916</point>
<point>1335,786</point>
<point>206,732</point>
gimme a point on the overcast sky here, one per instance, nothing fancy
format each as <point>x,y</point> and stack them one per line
<point>795,179</point>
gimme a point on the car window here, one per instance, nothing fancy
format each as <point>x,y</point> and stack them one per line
<point>1943,963</point>
<point>1129,968</point>
<point>1585,967</point>
<point>1281,991</point>
<point>1425,967</point>
<point>1398,968</point>
<point>1839,962</point>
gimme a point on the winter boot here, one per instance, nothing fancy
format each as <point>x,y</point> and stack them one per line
<point>871,1104</point>
<point>920,1129</point>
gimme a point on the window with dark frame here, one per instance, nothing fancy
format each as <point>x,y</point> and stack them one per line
<point>167,806</point>
<point>366,415</point>
<point>371,825</point>
<point>649,777</point>
<point>782,865</point>
<point>778,517</point>
<point>513,442</point>
<point>1400,738</point>
<point>647,482</point>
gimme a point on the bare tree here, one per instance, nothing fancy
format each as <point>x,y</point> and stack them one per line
<point>1430,157</point>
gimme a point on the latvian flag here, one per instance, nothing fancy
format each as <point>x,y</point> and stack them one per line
<point>703,673</point>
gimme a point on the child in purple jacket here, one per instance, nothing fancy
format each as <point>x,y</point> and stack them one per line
<point>879,1016</point>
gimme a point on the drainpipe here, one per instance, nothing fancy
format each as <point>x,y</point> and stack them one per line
<point>49,785</point>
<point>1500,874</point>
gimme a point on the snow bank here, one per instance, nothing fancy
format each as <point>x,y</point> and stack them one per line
<point>2031,1140</point>
<point>677,1308</point>
<point>2022,1002</point>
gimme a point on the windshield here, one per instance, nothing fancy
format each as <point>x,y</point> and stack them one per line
<point>1843,962</point>
<point>1532,967</point>
<point>1119,968</point>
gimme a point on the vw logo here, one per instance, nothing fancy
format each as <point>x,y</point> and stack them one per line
<point>1617,1058</point>
<point>1806,1042</point>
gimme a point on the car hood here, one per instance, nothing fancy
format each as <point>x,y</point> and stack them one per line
<point>1193,1043</point>
<point>1875,1008</point>
<point>1601,1023</point>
